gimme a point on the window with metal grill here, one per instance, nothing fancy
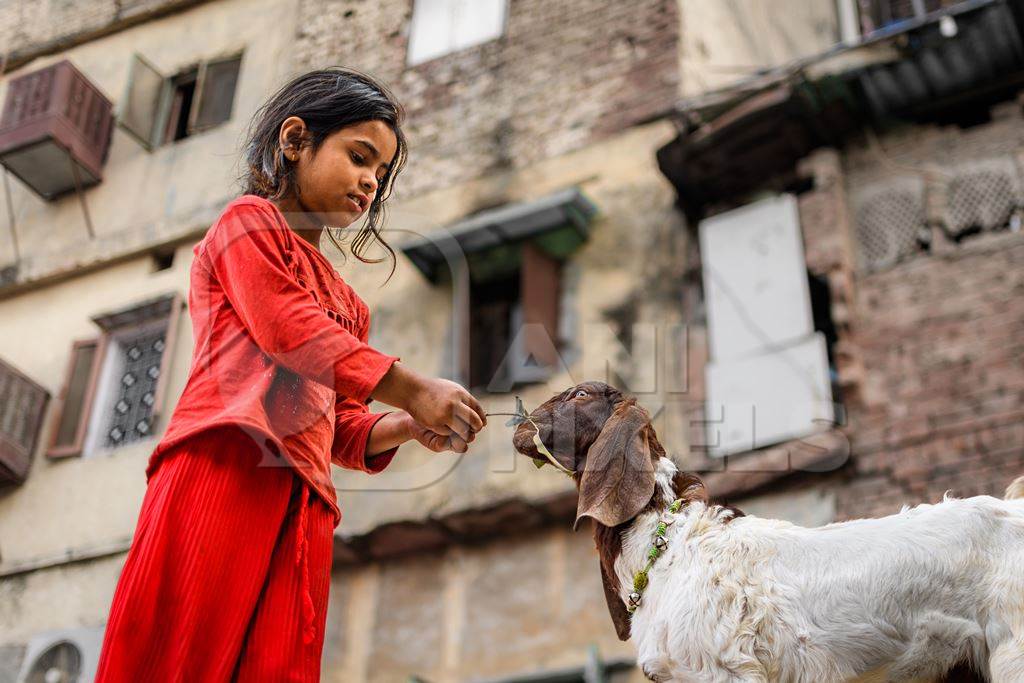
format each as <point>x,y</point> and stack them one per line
<point>116,383</point>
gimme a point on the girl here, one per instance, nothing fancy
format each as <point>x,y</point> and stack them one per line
<point>228,573</point>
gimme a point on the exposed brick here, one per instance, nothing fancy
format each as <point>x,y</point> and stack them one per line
<point>563,75</point>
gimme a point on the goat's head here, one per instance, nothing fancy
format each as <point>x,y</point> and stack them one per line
<point>606,440</point>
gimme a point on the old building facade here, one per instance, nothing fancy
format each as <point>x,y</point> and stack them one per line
<point>576,174</point>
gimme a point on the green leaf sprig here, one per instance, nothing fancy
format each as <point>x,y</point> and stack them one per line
<point>521,416</point>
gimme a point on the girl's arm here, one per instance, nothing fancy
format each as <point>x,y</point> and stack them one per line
<point>396,428</point>
<point>389,432</point>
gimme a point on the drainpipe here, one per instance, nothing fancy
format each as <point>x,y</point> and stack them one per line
<point>849,22</point>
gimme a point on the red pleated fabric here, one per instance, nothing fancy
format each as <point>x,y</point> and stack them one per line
<point>228,574</point>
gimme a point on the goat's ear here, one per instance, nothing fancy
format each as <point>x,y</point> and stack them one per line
<point>620,616</point>
<point>618,475</point>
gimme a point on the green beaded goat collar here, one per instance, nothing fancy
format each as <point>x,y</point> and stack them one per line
<point>659,545</point>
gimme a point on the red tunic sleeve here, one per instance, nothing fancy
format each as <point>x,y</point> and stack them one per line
<point>352,425</point>
<point>246,252</point>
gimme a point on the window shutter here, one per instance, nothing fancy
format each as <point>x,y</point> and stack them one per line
<point>76,398</point>
<point>22,403</point>
<point>540,291</point>
<point>141,109</point>
<point>215,93</point>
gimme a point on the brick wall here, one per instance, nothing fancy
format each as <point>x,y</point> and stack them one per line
<point>942,340</point>
<point>564,74</point>
<point>934,345</point>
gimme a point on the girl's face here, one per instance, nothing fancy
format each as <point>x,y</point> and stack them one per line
<point>340,180</point>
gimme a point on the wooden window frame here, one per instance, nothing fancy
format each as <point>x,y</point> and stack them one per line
<point>75,447</point>
<point>102,343</point>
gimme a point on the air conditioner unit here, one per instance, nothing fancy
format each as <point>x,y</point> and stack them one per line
<point>64,656</point>
<point>55,130</point>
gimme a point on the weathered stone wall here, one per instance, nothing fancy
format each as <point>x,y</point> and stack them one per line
<point>28,29</point>
<point>563,75</point>
<point>932,346</point>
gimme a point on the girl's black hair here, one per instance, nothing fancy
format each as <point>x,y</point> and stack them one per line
<point>326,100</point>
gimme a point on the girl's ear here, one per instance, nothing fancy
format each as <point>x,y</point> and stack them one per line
<point>291,135</point>
<point>618,475</point>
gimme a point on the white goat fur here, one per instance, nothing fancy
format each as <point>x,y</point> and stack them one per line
<point>901,598</point>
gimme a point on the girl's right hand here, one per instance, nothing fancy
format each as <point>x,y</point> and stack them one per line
<point>440,405</point>
<point>447,408</point>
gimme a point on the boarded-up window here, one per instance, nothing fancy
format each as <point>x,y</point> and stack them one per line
<point>768,377</point>
<point>22,403</point>
<point>440,27</point>
<point>217,81</point>
<point>75,398</point>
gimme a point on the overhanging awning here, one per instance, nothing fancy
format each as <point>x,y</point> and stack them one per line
<point>751,136</point>
<point>558,224</point>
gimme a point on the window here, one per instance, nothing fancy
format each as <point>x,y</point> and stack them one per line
<point>505,266</point>
<point>768,379</point>
<point>440,27</point>
<point>116,383</point>
<point>159,109</point>
<point>513,323</point>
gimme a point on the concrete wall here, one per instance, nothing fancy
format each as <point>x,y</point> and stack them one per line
<point>176,190</point>
<point>726,41</point>
<point>30,28</point>
<point>516,606</point>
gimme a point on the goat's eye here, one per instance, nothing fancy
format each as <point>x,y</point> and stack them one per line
<point>581,394</point>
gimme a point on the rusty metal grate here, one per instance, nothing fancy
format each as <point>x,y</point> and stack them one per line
<point>891,222</point>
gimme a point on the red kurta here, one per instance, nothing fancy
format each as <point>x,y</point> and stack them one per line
<point>229,568</point>
<point>279,349</point>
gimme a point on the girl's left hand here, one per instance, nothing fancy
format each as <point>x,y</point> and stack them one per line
<point>438,443</point>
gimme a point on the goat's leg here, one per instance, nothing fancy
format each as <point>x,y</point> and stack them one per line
<point>940,642</point>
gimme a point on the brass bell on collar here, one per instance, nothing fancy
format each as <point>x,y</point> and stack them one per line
<point>634,598</point>
<point>660,543</point>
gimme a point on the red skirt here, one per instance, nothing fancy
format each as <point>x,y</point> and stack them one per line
<point>228,573</point>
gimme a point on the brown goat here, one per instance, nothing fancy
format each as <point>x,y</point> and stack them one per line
<point>607,441</point>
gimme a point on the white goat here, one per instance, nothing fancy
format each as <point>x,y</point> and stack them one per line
<point>736,599</point>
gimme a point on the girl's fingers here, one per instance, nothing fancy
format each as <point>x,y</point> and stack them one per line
<point>469,417</point>
<point>479,416</point>
<point>459,428</point>
<point>457,444</point>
